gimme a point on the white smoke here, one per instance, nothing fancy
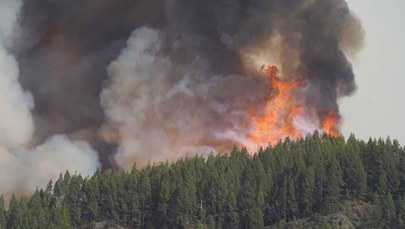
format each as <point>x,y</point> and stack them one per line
<point>23,169</point>
<point>139,103</point>
<point>129,99</point>
<point>158,109</point>
<point>16,125</point>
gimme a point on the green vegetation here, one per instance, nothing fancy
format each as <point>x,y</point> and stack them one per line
<point>279,186</point>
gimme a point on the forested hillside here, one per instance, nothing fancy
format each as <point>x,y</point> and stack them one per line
<point>292,180</point>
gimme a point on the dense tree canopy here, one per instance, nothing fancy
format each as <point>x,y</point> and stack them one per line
<point>282,183</point>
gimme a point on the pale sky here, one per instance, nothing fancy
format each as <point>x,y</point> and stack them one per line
<point>377,108</point>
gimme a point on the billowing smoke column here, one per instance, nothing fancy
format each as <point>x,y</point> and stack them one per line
<point>22,168</point>
<point>194,84</point>
<point>153,80</point>
<point>164,105</point>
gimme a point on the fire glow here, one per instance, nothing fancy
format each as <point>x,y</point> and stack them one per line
<point>282,110</point>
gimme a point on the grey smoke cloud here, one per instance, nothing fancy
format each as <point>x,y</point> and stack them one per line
<point>23,168</point>
<point>16,125</point>
<point>155,80</point>
<point>159,110</point>
<point>189,85</point>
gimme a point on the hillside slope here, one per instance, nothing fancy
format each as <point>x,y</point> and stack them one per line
<point>294,184</point>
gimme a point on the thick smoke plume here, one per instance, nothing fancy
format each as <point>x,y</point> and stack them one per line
<point>193,84</point>
<point>22,168</point>
<point>153,80</point>
<point>163,109</point>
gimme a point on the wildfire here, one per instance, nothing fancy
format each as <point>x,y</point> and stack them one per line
<point>330,123</point>
<point>281,112</point>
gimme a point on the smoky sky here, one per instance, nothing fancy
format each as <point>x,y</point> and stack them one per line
<point>71,52</point>
<point>63,50</point>
<point>24,166</point>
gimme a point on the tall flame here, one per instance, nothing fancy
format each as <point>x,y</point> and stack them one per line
<point>277,120</point>
<point>330,123</point>
<point>282,111</point>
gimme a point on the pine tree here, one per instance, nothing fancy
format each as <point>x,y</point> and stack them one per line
<point>144,190</point>
<point>353,172</point>
<point>401,212</point>
<point>73,198</point>
<point>372,217</point>
<point>2,213</point>
<point>332,187</point>
<point>388,211</point>
<point>291,201</point>
<point>60,218</point>
<point>13,213</point>
<point>231,215</point>
<point>24,216</point>
<point>38,213</point>
<point>247,197</point>
<point>91,209</point>
<point>107,201</point>
<point>307,192</point>
<point>163,202</point>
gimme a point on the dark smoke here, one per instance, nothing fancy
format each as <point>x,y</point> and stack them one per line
<point>23,168</point>
<point>186,77</point>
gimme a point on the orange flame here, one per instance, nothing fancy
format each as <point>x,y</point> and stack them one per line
<point>330,123</point>
<point>277,122</point>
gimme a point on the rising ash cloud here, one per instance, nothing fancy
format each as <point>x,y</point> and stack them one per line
<point>155,80</point>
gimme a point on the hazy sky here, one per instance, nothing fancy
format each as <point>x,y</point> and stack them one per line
<point>377,108</point>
